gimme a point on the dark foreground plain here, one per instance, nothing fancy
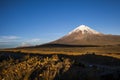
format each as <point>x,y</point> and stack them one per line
<point>60,63</point>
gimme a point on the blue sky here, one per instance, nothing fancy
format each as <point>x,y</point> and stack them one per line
<point>28,22</point>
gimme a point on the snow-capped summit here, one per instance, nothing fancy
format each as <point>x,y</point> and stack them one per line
<point>84,29</point>
<point>85,36</point>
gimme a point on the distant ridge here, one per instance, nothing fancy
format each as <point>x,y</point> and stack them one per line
<point>65,45</point>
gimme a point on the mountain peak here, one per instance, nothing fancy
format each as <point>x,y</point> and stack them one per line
<point>85,30</point>
<point>82,27</point>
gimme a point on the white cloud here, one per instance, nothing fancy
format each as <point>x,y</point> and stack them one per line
<point>30,42</point>
<point>9,37</point>
<point>25,44</point>
<point>33,40</point>
<point>9,41</point>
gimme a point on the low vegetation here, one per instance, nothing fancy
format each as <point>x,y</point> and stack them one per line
<point>33,68</point>
<point>68,63</point>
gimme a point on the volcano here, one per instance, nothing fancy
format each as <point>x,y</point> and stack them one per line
<point>84,35</point>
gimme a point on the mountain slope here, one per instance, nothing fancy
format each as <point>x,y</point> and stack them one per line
<point>84,35</point>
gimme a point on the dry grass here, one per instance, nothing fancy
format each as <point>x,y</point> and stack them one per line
<point>113,51</point>
<point>57,67</point>
<point>33,68</point>
<point>54,67</point>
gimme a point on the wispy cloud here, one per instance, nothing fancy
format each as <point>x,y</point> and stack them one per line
<point>9,37</point>
<point>31,42</point>
<point>16,41</point>
<point>24,44</point>
<point>34,40</point>
<point>9,41</point>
